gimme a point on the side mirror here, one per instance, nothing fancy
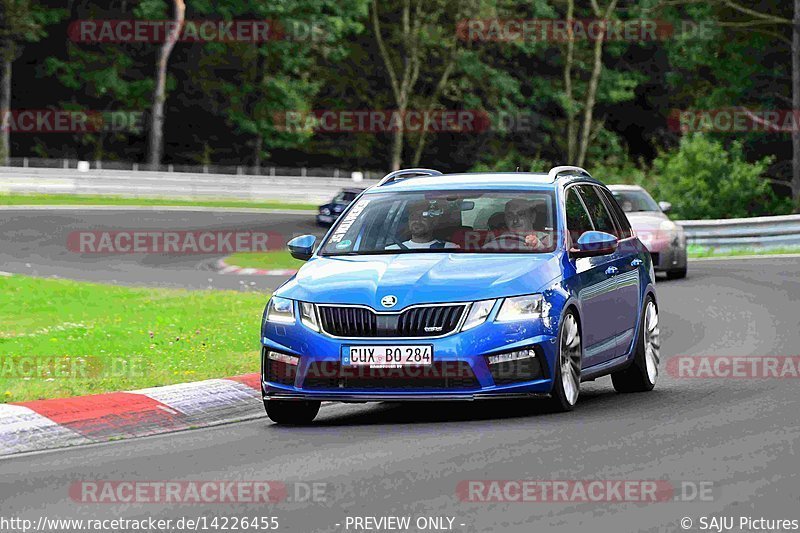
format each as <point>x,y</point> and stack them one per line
<point>594,243</point>
<point>302,247</point>
<point>665,206</point>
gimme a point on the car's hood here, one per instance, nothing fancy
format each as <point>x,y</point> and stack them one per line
<point>646,219</point>
<point>420,278</point>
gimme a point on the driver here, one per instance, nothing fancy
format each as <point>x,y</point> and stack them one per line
<point>422,225</point>
<point>519,215</point>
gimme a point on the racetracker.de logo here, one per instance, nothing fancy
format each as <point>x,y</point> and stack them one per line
<point>71,121</point>
<point>178,492</point>
<point>564,491</point>
<point>563,30</point>
<point>734,367</point>
<point>172,242</point>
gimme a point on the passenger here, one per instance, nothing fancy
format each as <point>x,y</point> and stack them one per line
<point>521,233</point>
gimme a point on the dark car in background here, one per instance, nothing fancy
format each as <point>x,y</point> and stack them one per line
<point>328,213</point>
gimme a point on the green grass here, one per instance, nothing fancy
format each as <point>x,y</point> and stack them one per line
<point>107,338</point>
<point>698,252</point>
<point>67,199</point>
<point>277,259</point>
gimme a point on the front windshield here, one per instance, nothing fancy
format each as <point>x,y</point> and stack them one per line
<point>633,201</point>
<point>474,221</point>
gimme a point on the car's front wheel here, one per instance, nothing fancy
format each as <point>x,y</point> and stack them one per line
<point>642,374</point>
<point>567,373</point>
<point>291,412</point>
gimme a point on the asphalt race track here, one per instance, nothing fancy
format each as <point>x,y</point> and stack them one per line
<point>34,242</point>
<point>736,438</point>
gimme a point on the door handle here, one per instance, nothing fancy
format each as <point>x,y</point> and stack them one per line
<point>636,262</point>
<point>612,271</point>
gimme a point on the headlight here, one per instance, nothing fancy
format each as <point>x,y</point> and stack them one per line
<point>281,310</point>
<point>478,313</point>
<point>324,211</point>
<point>520,308</point>
<point>308,316</point>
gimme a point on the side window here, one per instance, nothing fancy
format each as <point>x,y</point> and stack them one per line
<point>597,210</point>
<point>621,218</point>
<point>578,220</point>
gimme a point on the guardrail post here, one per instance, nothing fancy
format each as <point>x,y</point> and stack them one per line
<point>303,172</point>
<point>24,162</point>
<point>272,171</point>
<point>136,167</point>
<point>169,167</point>
<point>66,163</point>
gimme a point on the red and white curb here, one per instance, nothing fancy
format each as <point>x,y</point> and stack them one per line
<point>46,424</point>
<point>224,268</point>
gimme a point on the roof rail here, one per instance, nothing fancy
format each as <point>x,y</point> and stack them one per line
<point>555,171</point>
<point>406,173</point>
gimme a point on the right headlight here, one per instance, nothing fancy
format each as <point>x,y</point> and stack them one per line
<point>520,308</point>
<point>280,310</point>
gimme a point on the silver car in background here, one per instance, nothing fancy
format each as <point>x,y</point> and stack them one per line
<point>665,239</point>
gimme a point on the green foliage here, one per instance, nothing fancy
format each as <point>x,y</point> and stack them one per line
<point>703,179</point>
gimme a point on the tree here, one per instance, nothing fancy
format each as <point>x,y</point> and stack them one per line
<point>703,179</point>
<point>21,21</point>
<point>159,94</point>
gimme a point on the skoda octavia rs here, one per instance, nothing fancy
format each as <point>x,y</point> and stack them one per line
<point>463,287</point>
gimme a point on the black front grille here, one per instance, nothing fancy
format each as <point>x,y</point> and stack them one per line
<point>450,375</point>
<point>427,321</point>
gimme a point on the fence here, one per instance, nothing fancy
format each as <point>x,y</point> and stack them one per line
<point>744,233</point>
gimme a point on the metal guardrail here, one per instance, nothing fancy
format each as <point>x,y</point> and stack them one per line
<point>738,233</point>
<point>744,233</point>
<point>145,184</point>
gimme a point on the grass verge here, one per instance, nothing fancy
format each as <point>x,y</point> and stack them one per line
<point>64,338</point>
<point>68,199</point>
<point>276,259</point>
<point>699,252</point>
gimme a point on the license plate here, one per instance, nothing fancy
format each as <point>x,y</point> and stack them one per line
<point>387,356</point>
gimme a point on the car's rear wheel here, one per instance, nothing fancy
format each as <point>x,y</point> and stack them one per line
<point>642,374</point>
<point>678,273</point>
<point>291,412</point>
<point>567,372</point>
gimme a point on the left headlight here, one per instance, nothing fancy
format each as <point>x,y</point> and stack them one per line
<point>520,308</point>
<point>280,310</point>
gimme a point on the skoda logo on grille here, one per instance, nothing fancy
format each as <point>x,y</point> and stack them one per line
<point>389,301</point>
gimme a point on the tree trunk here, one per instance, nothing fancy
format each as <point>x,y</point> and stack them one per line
<point>397,147</point>
<point>259,144</point>
<point>572,123</point>
<point>796,106</point>
<point>5,104</point>
<point>159,94</point>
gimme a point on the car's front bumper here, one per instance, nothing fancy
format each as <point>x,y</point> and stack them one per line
<point>465,351</point>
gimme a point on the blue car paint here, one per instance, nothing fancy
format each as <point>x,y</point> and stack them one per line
<point>608,307</point>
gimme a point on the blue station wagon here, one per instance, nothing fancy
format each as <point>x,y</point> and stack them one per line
<point>464,287</point>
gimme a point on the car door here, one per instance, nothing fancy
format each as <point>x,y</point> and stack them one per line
<point>594,285</point>
<point>630,276</point>
<point>621,269</point>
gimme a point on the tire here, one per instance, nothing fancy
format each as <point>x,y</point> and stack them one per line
<point>567,371</point>
<point>642,374</point>
<point>291,412</point>
<point>676,274</point>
